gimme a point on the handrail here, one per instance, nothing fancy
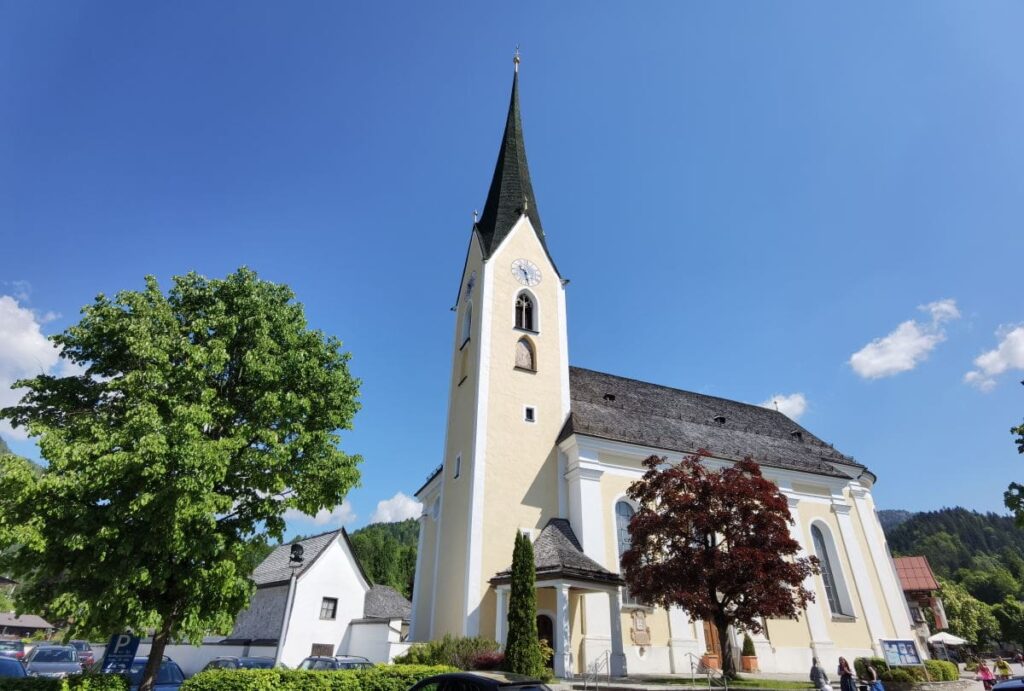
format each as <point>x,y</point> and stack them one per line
<point>593,670</point>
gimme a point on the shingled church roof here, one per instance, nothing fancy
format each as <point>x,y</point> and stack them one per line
<point>557,553</point>
<point>627,410</point>
<point>511,192</point>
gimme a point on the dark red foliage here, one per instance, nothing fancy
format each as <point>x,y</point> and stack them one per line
<point>716,543</point>
<point>487,661</point>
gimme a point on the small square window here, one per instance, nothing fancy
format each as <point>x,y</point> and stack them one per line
<point>458,466</point>
<point>329,608</point>
<point>530,414</point>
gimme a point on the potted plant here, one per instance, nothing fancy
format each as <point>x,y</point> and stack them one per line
<point>711,661</point>
<point>748,656</point>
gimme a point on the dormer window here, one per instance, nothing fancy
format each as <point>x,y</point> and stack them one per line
<point>467,324</point>
<point>720,419</point>
<point>526,317</point>
<point>797,435</point>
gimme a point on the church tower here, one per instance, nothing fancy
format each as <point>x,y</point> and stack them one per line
<point>508,400</point>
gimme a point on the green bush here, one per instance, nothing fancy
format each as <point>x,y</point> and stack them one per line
<point>901,674</point>
<point>861,665</point>
<point>748,646</point>
<point>455,651</point>
<point>82,682</point>
<point>941,670</point>
<point>380,678</point>
<point>971,666</point>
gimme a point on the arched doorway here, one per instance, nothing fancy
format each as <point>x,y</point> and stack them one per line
<point>546,633</point>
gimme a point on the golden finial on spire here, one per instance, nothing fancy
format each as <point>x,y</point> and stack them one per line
<point>515,58</point>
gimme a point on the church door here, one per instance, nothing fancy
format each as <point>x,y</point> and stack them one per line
<point>546,633</point>
<point>714,646</point>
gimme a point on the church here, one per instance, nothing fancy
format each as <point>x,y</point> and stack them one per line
<point>536,445</point>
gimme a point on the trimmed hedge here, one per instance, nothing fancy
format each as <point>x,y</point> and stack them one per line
<point>379,678</point>
<point>79,682</point>
<point>457,651</point>
<point>942,670</point>
<point>861,666</point>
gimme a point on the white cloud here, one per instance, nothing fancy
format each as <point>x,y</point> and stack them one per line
<point>397,508</point>
<point>24,352</point>
<point>338,516</point>
<point>1009,354</point>
<point>907,346</point>
<point>791,405</point>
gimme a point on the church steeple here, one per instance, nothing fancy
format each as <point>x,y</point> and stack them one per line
<point>511,193</point>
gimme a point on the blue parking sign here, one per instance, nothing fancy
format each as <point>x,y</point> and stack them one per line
<point>120,653</point>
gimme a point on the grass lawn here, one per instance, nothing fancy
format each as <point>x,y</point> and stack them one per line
<point>741,683</point>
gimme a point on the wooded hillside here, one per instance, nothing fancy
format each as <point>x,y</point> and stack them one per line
<point>387,552</point>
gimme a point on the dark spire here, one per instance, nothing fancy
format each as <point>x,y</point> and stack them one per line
<point>511,193</point>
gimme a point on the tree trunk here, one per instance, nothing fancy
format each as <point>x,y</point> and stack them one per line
<point>156,655</point>
<point>728,662</point>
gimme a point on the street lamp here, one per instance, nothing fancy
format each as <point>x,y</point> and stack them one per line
<point>295,561</point>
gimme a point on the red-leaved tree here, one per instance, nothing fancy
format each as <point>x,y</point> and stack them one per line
<point>717,544</point>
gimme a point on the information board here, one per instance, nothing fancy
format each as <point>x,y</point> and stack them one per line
<point>900,653</point>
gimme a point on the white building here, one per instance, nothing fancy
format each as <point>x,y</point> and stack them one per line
<point>330,605</point>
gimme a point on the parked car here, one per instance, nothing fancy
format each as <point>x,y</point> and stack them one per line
<point>9,667</point>
<point>85,654</point>
<point>168,678</point>
<point>1010,685</point>
<point>480,681</point>
<point>334,663</point>
<point>240,663</point>
<point>52,661</point>
<point>15,649</point>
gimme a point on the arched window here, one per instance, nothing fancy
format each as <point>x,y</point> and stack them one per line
<point>467,323</point>
<point>623,515</point>
<point>835,591</point>
<point>525,356</point>
<point>525,312</point>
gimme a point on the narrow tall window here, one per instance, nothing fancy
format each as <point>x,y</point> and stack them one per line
<point>525,317</point>
<point>525,356</point>
<point>827,574</point>
<point>458,466</point>
<point>624,513</point>
<point>467,324</point>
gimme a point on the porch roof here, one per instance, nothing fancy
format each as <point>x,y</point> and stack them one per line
<point>557,555</point>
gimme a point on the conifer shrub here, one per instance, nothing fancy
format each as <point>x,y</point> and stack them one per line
<point>523,653</point>
<point>748,646</point>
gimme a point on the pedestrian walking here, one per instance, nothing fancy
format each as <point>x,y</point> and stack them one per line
<point>846,679</point>
<point>985,675</point>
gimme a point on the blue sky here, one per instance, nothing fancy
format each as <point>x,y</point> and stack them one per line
<point>743,195</point>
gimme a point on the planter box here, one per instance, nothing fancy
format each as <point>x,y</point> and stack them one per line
<point>711,661</point>
<point>748,663</point>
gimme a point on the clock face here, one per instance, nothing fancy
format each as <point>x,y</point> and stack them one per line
<point>526,272</point>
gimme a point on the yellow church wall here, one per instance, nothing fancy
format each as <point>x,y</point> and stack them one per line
<point>453,550</point>
<point>844,633</point>
<point>875,561</point>
<point>789,633</point>
<point>521,461</point>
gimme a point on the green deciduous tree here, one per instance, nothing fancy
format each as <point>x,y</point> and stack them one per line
<point>1010,615</point>
<point>969,618</point>
<point>522,650</point>
<point>1014,495</point>
<point>203,415</point>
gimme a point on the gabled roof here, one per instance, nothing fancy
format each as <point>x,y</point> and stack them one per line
<point>384,602</point>
<point>636,412</point>
<point>511,192</point>
<point>25,621</point>
<point>276,567</point>
<point>557,553</point>
<point>915,574</point>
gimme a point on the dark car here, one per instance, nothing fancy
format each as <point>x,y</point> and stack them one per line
<point>480,681</point>
<point>1010,685</point>
<point>15,649</point>
<point>85,654</point>
<point>168,678</point>
<point>240,663</point>
<point>333,663</point>
<point>52,661</point>
<point>9,667</point>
